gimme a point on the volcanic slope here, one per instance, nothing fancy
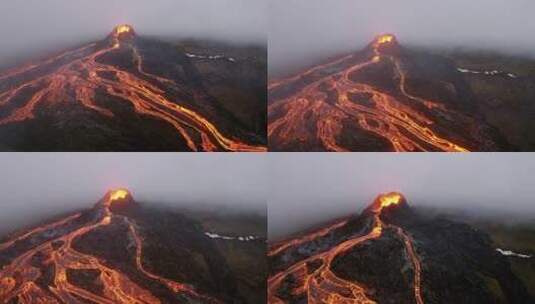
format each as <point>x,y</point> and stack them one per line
<point>390,98</point>
<point>390,254</point>
<point>120,251</point>
<point>131,93</point>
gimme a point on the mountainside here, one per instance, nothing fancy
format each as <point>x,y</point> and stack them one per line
<point>387,97</point>
<point>130,93</point>
<point>391,254</point>
<point>121,251</point>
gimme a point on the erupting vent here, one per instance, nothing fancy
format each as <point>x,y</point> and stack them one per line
<point>118,194</point>
<point>387,38</point>
<point>384,201</point>
<point>392,198</point>
<point>123,30</point>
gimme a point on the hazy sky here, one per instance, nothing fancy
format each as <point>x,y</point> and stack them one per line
<point>308,188</point>
<point>302,31</point>
<point>36,185</point>
<point>37,24</point>
<point>302,188</point>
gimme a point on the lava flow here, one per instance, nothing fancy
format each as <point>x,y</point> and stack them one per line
<point>326,102</point>
<point>322,285</point>
<point>80,76</point>
<point>22,278</point>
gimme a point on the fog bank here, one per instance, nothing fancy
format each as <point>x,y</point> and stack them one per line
<point>28,27</point>
<point>310,188</point>
<point>36,186</point>
<point>302,32</point>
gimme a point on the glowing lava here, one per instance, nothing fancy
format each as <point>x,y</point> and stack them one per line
<point>322,286</point>
<point>123,28</point>
<point>23,281</point>
<point>275,249</point>
<point>392,198</point>
<point>78,78</point>
<point>327,103</point>
<point>383,39</point>
<point>119,194</point>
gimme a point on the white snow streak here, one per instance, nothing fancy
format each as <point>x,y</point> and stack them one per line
<point>210,57</point>
<point>490,73</point>
<point>239,238</point>
<point>511,253</point>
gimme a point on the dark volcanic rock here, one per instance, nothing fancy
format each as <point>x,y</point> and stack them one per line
<point>454,96</point>
<point>382,266</point>
<point>137,250</point>
<point>459,264</point>
<point>110,97</point>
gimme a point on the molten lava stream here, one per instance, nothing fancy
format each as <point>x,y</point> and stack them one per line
<point>322,286</point>
<point>12,241</point>
<point>20,70</point>
<point>307,238</point>
<point>19,278</point>
<point>392,119</point>
<point>175,286</point>
<point>83,76</point>
<point>276,83</point>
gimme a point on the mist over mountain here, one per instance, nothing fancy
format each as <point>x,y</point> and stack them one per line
<point>310,190</point>
<point>306,32</point>
<point>389,253</point>
<point>34,187</point>
<point>191,94</point>
<point>32,27</point>
<point>123,251</point>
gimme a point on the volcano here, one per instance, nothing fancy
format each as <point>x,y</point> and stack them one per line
<point>388,97</point>
<point>134,93</point>
<point>390,253</point>
<point>122,251</point>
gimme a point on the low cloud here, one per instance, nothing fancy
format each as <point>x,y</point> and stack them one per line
<point>33,26</point>
<point>309,188</point>
<point>35,186</point>
<point>303,32</point>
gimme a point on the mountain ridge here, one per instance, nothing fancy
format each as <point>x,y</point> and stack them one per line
<point>117,93</point>
<point>390,254</point>
<point>120,251</point>
<point>384,97</point>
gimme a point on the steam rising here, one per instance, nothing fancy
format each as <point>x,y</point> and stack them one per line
<point>304,32</point>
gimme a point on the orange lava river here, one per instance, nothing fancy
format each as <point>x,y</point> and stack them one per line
<point>322,285</point>
<point>384,115</point>
<point>18,280</point>
<point>82,78</point>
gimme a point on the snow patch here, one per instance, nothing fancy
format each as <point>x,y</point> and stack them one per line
<point>228,238</point>
<point>514,254</point>
<point>210,57</point>
<point>490,73</point>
